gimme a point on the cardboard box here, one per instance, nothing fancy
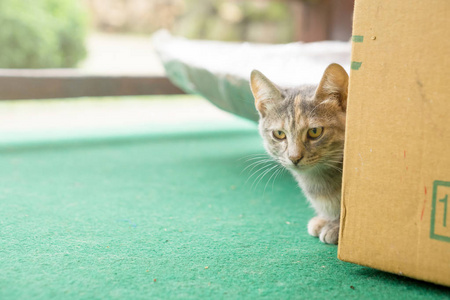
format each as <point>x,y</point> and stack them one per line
<point>396,187</point>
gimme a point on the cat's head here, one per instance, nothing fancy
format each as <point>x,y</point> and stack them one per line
<point>303,128</point>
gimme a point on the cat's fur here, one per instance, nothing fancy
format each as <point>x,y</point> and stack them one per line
<point>316,164</point>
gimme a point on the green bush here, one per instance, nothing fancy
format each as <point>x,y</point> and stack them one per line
<point>41,33</point>
<point>240,20</point>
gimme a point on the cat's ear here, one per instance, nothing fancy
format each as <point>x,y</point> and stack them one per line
<point>264,91</point>
<point>334,83</point>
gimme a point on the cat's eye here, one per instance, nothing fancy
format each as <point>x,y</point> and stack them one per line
<point>278,134</point>
<point>314,133</point>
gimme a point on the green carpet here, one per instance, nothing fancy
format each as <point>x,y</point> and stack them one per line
<point>166,214</point>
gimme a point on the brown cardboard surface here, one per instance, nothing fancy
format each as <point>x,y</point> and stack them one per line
<point>396,186</point>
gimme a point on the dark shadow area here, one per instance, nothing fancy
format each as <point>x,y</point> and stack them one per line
<point>394,279</point>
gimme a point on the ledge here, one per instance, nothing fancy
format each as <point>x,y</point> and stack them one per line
<point>69,83</point>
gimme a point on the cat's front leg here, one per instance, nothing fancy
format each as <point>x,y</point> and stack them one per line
<point>330,232</point>
<point>315,226</point>
<point>327,231</point>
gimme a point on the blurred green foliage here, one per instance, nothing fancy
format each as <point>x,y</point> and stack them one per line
<point>42,33</point>
<point>238,20</point>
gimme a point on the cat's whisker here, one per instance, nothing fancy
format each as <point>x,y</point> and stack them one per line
<point>333,167</point>
<point>259,160</point>
<point>273,174</point>
<point>336,150</point>
<point>333,161</point>
<point>327,160</point>
<point>255,164</point>
<point>251,156</point>
<point>277,171</point>
<point>283,172</point>
<point>264,167</point>
<point>255,158</point>
<point>337,162</point>
<point>262,175</point>
<point>338,157</point>
<point>340,151</point>
<point>280,171</point>
<point>335,155</point>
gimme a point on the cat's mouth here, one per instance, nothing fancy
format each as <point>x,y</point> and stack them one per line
<point>316,166</point>
<point>311,164</point>
<point>302,167</point>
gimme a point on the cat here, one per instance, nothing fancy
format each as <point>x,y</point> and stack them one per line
<point>303,129</point>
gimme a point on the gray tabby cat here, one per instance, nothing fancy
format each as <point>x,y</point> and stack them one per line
<point>303,129</point>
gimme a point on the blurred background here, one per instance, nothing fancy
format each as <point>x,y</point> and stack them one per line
<point>87,49</point>
<point>113,35</point>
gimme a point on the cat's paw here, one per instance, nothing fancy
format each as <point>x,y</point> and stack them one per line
<point>315,226</point>
<point>330,233</point>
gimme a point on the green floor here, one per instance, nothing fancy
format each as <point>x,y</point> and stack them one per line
<point>166,214</point>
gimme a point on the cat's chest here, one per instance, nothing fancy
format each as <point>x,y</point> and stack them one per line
<point>319,186</point>
<point>324,194</point>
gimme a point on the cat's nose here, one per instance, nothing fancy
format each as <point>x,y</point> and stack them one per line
<point>295,159</point>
